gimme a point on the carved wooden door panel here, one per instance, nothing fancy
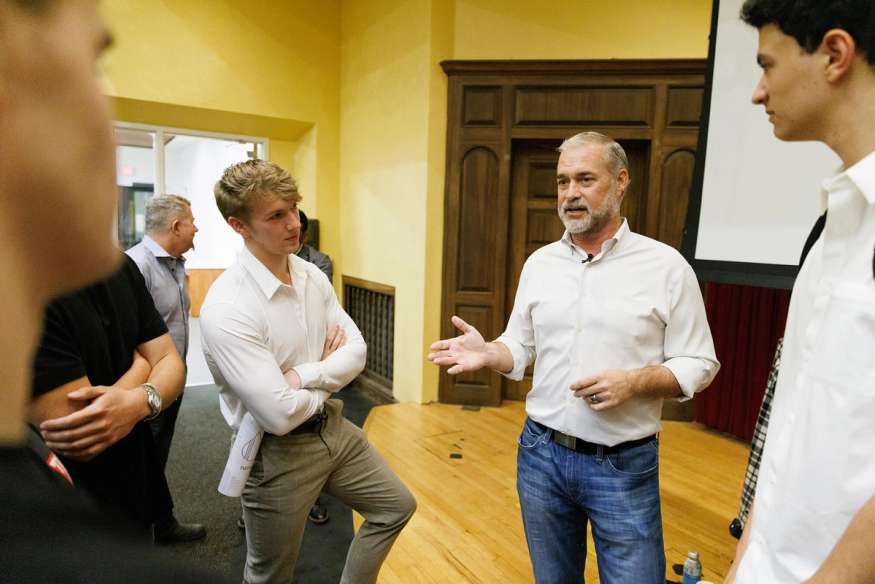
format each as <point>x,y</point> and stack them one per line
<point>504,122</point>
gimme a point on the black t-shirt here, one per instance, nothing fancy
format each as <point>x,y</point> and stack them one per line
<point>51,533</point>
<point>93,332</point>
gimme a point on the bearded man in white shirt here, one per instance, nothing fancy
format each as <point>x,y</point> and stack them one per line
<point>813,516</point>
<point>278,343</point>
<point>615,323</point>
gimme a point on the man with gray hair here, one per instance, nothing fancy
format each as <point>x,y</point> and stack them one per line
<point>615,323</point>
<point>170,233</point>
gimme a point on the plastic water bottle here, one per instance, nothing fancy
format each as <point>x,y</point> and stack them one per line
<point>692,568</point>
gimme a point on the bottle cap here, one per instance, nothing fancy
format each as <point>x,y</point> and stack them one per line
<point>693,555</point>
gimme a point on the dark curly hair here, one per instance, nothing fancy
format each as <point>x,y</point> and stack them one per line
<point>808,20</point>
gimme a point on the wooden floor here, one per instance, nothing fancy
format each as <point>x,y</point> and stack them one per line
<point>468,526</point>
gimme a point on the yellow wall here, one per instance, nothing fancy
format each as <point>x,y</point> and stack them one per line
<point>582,29</point>
<point>386,86</point>
<point>393,124</point>
<point>354,101</point>
<point>258,68</point>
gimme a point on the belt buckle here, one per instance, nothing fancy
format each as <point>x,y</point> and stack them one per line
<point>565,440</point>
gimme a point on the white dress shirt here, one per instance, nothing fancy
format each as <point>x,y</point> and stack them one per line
<point>635,304</point>
<point>256,328</point>
<point>818,466</point>
<point>165,279</point>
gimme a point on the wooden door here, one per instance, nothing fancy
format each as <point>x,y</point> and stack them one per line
<point>505,120</point>
<point>534,218</point>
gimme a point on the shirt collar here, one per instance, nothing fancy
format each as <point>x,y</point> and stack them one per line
<point>264,278</point>
<point>606,245</point>
<point>155,248</point>
<point>862,175</point>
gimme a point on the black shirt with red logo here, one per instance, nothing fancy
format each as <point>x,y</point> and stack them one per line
<point>93,332</point>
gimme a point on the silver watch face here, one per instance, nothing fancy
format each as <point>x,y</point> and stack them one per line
<point>153,399</point>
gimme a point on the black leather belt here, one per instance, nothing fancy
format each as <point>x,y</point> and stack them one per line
<point>581,445</point>
<point>311,424</point>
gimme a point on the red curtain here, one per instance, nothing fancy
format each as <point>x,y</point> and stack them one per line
<point>746,323</point>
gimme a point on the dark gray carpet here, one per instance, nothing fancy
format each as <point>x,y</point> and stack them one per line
<point>197,458</point>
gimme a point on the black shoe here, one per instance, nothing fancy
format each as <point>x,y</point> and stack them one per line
<point>318,514</point>
<point>175,532</point>
<point>735,528</point>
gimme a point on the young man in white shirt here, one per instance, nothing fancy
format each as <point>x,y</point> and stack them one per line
<point>278,343</point>
<point>617,323</point>
<point>813,517</point>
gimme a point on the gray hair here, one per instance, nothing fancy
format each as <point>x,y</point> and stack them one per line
<point>614,153</point>
<point>162,210</point>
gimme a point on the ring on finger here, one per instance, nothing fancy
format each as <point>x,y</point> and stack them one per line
<point>594,398</point>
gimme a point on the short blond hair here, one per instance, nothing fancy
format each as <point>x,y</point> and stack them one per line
<point>244,183</point>
<point>163,210</point>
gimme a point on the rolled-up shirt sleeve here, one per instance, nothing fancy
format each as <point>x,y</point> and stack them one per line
<point>519,336</point>
<point>338,369</point>
<point>689,348</point>
<point>244,361</point>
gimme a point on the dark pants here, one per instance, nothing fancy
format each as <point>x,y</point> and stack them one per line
<point>162,429</point>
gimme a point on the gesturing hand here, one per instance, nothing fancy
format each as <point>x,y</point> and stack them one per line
<point>467,352</point>
<point>109,417</point>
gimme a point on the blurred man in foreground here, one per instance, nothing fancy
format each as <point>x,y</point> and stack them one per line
<point>57,196</point>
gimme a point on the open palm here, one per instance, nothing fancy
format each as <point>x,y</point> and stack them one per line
<point>467,352</point>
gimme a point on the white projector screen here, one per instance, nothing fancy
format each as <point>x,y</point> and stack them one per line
<point>754,198</point>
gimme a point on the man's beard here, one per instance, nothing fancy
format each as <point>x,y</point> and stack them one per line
<point>594,220</point>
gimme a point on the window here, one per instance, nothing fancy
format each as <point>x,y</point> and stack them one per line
<point>135,177</point>
<point>163,160</point>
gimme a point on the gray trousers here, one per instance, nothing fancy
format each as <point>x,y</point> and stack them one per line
<point>287,476</point>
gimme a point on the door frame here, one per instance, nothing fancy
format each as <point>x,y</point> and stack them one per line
<point>493,103</point>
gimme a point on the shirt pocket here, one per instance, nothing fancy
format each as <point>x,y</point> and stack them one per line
<point>844,354</point>
<point>634,319</point>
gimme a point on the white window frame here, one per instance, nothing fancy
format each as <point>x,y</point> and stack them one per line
<point>159,132</point>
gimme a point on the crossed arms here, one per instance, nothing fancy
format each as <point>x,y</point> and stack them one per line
<point>280,396</point>
<point>79,420</point>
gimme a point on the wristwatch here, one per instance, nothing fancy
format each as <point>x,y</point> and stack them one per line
<point>153,398</point>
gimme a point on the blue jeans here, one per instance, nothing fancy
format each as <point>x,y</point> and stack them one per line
<point>560,490</point>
